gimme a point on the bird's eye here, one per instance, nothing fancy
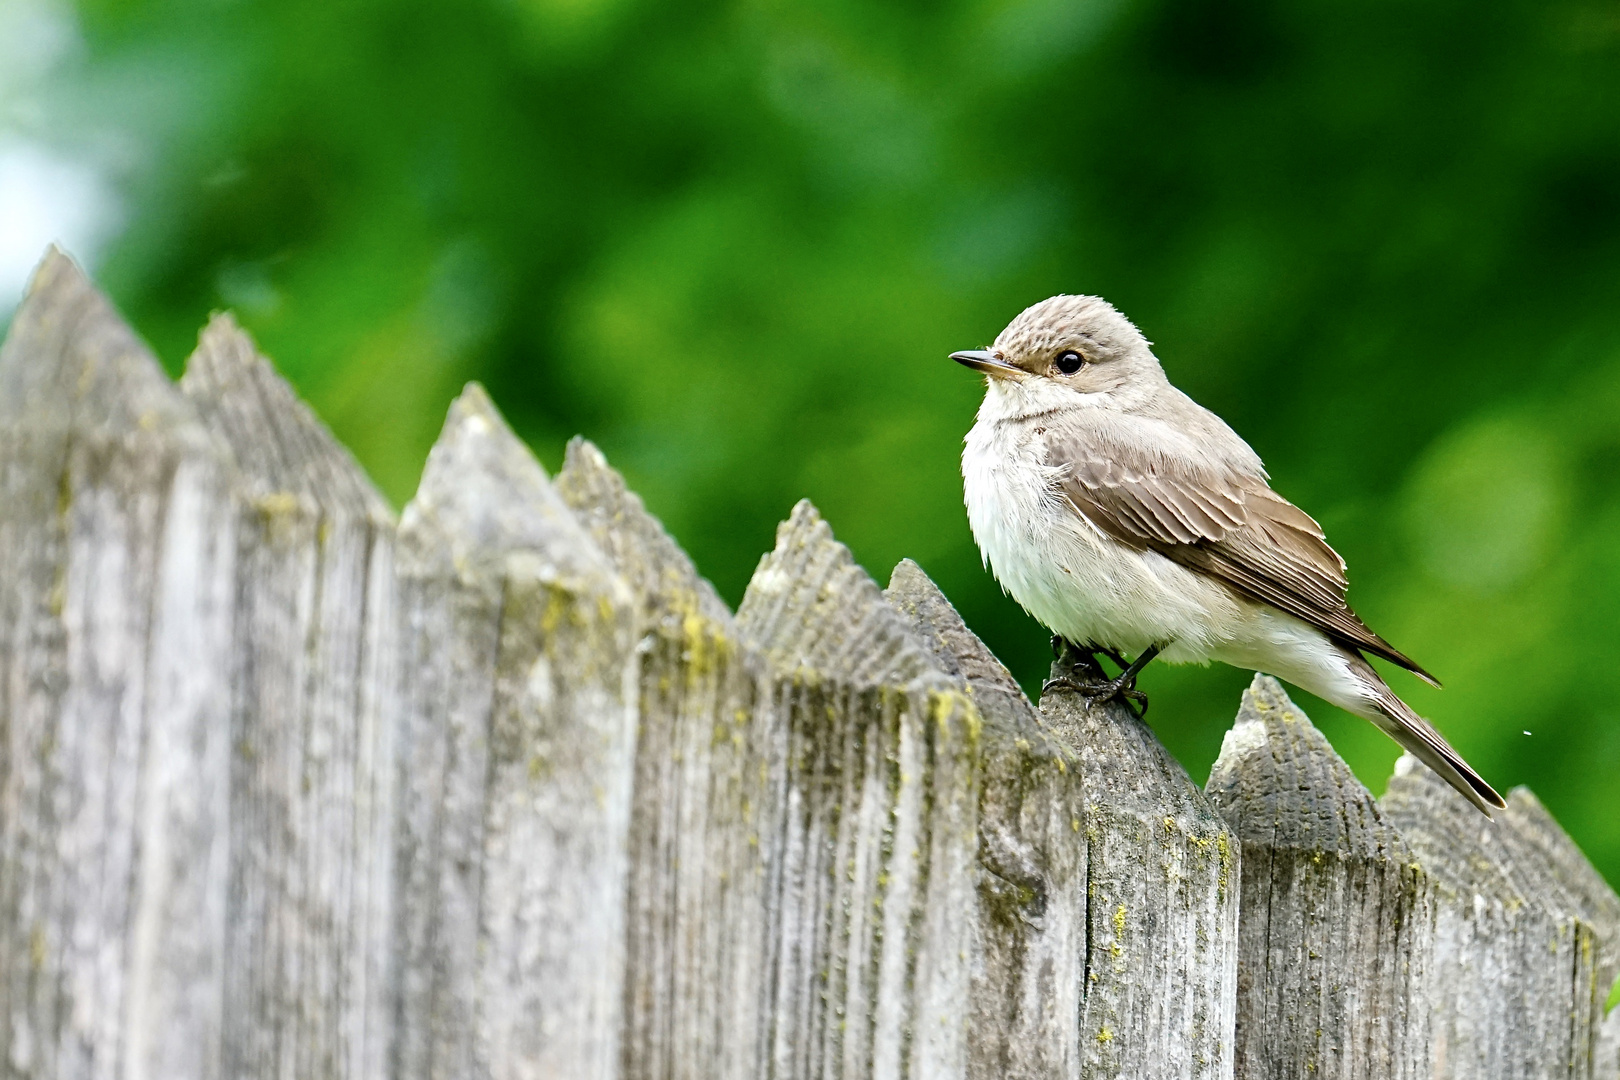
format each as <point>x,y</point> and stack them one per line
<point>1069,361</point>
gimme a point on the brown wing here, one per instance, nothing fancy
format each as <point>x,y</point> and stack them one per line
<point>1222,523</point>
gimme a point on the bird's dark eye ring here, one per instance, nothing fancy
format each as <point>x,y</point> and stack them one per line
<point>1068,361</point>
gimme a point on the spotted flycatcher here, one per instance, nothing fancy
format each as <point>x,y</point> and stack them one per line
<point>1129,519</point>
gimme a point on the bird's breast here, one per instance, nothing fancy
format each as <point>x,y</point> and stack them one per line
<point>1064,571</point>
<point>1011,492</point>
<point>1025,529</point>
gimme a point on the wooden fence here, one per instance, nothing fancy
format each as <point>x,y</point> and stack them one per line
<point>290,789</point>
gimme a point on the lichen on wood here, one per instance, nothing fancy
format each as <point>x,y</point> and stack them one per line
<point>117,589</point>
<point>706,806</point>
<point>505,790</point>
<point>1029,932</point>
<point>1538,841</point>
<point>519,703</point>
<point>1512,978</point>
<point>873,888</point>
<point>312,670</point>
<point>1162,903</point>
<point>1337,919</point>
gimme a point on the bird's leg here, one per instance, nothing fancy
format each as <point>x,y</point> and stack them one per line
<point>1130,668</point>
<point>1114,655</point>
<point>1134,668</point>
<point>1124,684</point>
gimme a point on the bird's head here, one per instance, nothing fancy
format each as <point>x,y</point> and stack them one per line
<point>1069,348</point>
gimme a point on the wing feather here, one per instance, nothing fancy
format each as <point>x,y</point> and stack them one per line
<point>1219,521</point>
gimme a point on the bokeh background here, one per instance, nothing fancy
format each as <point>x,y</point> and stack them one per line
<point>732,241</point>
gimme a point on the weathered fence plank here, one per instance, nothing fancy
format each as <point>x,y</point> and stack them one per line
<point>1159,982</point>
<point>1336,929</point>
<point>506,791</point>
<point>1537,840</point>
<point>874,892</point>
<point>117,540</point>
<point>1513,979</point>
<point>312,769</point>
<point>705,798</point>
<point>519,703</point>
<point>1029,931</point>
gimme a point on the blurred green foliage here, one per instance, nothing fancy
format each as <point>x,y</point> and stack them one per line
<point>733,240</point>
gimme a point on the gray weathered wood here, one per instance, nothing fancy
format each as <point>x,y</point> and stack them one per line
<point>1538,841</point>
<point>1513,979</point>
<point>1163,904</point>
<point>1337,917</point>
<point>519,722</point>
<point>704,800</point>
<point>116,548</point>
<point>1029,933</point>
<point>312,770</point>
<point>508,792</point>
<point>873,872</point>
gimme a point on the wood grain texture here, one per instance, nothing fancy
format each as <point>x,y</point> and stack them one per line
<point>1162,903</point>
<point>705,803</point>
<point>312,770</point>
<point>117,541</point>
<point>1029,931</point>
<point>1337,917</point>
<point>506,791</point>
<point>1538,841</point>
<point>1513,979</point>
<point>519,721</point>
<point>873,884</point>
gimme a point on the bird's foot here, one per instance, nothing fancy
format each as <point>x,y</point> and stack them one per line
<point>1095,689</point>
<point>1098,693</point>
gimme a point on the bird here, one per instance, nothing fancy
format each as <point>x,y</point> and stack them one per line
<point>1129,519</point>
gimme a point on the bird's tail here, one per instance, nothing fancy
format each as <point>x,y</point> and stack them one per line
<point>1417,735</point>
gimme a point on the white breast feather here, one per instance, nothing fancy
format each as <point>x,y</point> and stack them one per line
<point>1075,579</point>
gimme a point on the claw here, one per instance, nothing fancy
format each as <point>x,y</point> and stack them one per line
<point>1101,693</point>
<point>1122,685</point>
<point>1064,682</point>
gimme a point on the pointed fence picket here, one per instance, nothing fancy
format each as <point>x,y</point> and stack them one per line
<point>1513,977</point>
<point>503,789</point>
<point>1335,939</point>
<point>312,678</point>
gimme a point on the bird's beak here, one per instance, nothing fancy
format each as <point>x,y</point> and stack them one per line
<point>988,362</point>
